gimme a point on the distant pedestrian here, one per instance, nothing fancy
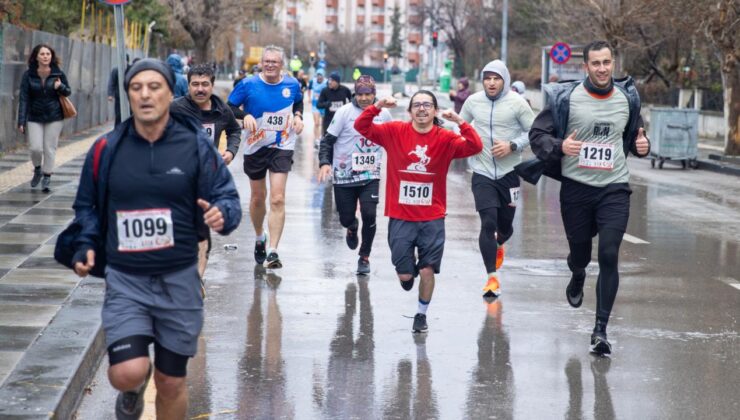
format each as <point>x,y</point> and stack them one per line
<point>181,83</point>
<point>462,93</point>
<point>332,98</point>
<point>40,114</point>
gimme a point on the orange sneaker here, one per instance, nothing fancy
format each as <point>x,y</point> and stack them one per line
<point>499,256</point>
<point>492,288</point>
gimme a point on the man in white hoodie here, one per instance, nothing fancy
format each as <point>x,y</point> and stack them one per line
<point>502,119</point>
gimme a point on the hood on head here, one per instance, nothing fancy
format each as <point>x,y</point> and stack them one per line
<point>175,61</point>
<point>519,87</point>
<point>465,82</point>
<point>498,67</point>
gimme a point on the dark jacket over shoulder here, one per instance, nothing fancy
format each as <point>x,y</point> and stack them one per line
<point>215,185</point>
<point>549,128</point>
<point>40,102</point>
<point>225,120</point>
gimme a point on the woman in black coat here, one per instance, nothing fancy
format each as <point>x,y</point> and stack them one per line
<point>39,111</point>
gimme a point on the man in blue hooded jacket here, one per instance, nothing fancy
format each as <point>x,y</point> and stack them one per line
<point>181,83</point>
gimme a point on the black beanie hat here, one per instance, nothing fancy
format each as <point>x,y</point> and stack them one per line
<point>150,64</point>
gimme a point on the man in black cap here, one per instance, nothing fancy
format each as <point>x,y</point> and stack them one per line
<point>332,98</point>
<point>146,190</point>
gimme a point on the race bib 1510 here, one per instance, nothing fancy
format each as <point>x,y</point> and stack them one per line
<point>415,193</point>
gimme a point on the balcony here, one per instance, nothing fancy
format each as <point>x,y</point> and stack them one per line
<point>377,29</point>
<point>378,20</point>
<point>415,38</point>
<point>378,38</point>
<point>415,20</point>
<point>332,4</point>
<point>379,3</point>
<point>361,4</point>
<point>376,55</point>
<point>361,19</point>
<point>416,3</point>
<point>332,20</point>
<point>413,58</point>
<point>291,11</point>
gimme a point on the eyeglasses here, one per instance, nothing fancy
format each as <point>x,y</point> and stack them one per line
<point>425,105</point>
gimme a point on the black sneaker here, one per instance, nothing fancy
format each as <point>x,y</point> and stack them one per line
<point>260,252</point>
<point>130,405</point>
<point>599,344</point>
<point>574,290</point>
<point>352,239</point>
<point>273,261</point>
<point>45,181</point>
<point>363,265</point>
<point>420,323</point>
<point>36,176</point>
<point>407,285</point>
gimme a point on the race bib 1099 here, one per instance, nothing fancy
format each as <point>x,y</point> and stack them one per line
<point>144,230</point>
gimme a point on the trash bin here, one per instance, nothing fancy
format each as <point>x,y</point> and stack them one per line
<point>673,136</point>
<point>398,82</point>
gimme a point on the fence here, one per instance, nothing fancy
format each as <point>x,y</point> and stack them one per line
<point>86,64</point>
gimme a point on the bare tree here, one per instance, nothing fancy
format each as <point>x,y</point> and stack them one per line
<point>201,19</point>
<point>345,49</point>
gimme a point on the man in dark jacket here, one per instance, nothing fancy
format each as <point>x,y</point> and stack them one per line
<point>332,98</point>
<point>201,104</point>
<point>145,191</point>
<point>584,135</point>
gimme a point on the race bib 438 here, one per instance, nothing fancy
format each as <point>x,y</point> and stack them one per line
<point>144,230</point>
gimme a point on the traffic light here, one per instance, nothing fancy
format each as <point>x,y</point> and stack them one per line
<point>385,57</point>
<point>435,38</point>
<point>312,57</point>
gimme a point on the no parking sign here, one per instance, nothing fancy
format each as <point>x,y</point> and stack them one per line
<point>560,53</point>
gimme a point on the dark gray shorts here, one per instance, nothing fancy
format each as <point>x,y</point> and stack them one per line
<point>168,307</point>
<point>426,237</point>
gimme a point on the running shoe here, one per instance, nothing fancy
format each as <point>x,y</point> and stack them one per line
<point>45,182</point>
<point>499,256</point>
<point>599,344</point>
<point>130,404</point>
<point>420,323</point>
<point>260,252</point>
<point>352,239</point>
<point>36,176</point>
<point>407,285</point>
<point>363,265</point>
<point>273,261</point>
<point>492,288</point>
<point>574,290</point>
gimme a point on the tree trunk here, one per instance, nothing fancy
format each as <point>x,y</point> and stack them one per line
<point>732,110</point>
<point>202,48</point>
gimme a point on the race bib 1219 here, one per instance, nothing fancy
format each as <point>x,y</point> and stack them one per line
<point>596,156</point>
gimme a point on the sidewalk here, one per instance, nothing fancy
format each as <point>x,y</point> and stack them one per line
<point>49,318</point>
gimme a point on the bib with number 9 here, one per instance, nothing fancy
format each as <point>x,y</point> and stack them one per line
<point>362,162</point>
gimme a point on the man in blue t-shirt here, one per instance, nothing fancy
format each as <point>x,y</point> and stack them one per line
<point>271,106</point>
<point>317,84</point>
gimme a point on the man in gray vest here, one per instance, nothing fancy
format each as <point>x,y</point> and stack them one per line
<point>583,135</point>
<point>502,119</point>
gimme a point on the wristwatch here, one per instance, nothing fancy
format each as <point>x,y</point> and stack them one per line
<point>513,146</point>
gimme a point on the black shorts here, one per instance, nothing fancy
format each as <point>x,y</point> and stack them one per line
<point>257,164</point>
<point>586,209</point>
<point>346,198</point>
<point>427,237</point>
<point>489,193</point>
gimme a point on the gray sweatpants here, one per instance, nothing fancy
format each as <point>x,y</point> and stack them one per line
<point>42,140</point>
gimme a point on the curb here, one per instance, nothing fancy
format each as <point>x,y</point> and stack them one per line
<point>719,167</point>
<point>50,379</point>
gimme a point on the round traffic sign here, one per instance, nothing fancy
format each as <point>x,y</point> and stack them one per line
<point>560,52</point>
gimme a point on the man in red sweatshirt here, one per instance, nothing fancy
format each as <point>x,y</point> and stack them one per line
<point>419,155</point>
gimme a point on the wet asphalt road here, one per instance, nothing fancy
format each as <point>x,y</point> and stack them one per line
<point>314,341</point>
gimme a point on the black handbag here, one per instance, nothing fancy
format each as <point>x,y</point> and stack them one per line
<point>64,251</point>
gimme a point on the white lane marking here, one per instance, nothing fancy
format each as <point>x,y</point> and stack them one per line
<point>730,282</point>
<point>634,239</point>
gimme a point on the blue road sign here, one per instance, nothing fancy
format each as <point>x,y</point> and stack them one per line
<point>560,53</point>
